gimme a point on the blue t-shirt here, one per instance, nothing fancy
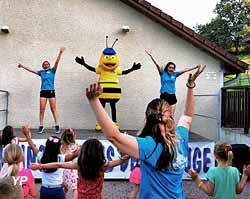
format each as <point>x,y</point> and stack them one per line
<point>166,183</point>
<point>168,82</point>
<point>225,180</point>
<point>47,79</point>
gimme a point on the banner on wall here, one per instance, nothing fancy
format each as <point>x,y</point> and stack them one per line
<point>200,158</point>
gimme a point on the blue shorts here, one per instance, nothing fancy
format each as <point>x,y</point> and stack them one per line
<point>52,193</point>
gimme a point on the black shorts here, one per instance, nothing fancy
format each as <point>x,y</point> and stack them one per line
<point>170,98</point>
<point>48,93</point>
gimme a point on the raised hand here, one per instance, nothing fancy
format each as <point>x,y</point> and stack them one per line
<point>136,66</point>
<point>193,174</point>
<point>35,166</point>
<point>62,49</point>
<point>93,91</point>
<point>246,170</point>
<point>26,130</point>
<point>80,60</point>
<point>192,77</point>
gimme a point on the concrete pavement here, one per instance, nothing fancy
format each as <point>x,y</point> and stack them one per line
<point>117,189</point>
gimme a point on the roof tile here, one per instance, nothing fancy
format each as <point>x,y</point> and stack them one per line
<point>155,10</point>
<point>145,3</point>
<point>188,30</point>
<point>177,23</point>
<point>166,16</point>
<point>210,44</point>
<point>179,29</point>
<point>198,37</point>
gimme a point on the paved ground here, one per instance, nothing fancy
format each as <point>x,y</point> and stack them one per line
<point>121,190</point>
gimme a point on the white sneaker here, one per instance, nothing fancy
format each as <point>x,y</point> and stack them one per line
<point>57,129</point>
<point>40,129</point>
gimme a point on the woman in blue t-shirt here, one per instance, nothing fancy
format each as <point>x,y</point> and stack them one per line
<point>161,148</point>
<point>168,77</point>
<point>47,92</point>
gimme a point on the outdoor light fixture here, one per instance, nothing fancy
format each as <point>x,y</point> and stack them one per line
<point>5,29</point>
<point>125,29</point>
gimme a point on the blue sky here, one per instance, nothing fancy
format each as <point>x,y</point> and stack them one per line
<point>189,12</point>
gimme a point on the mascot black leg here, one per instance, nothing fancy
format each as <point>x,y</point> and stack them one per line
<point>97,126</point>
<point>113,112</point>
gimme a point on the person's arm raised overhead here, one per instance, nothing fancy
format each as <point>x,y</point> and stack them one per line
<point>243,181</point>
<point>125,143</point>
<point>187,70</point>
<point>58,58</point>
<point>154,61</point>
<point>26,132</point>
<point>186,118</point>
<point>27,69</point>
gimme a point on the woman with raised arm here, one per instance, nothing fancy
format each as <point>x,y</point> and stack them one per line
<point>47,92</point>
<point>162,147</point>
<point>168,78</point>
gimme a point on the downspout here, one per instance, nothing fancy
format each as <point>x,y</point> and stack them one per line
<point>231,81</point>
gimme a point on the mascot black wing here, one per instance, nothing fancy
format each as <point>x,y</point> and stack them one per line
<point>108,71</point>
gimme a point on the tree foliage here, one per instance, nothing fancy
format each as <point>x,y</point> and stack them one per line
<point>230,24</point>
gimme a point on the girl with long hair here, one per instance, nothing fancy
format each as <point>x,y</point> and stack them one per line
<point>162,149</point>
<point>9,136</point>
<point>52,179</point>
<point>91,165</point>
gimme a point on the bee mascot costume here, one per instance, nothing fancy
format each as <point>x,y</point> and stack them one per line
<point>108,70</point>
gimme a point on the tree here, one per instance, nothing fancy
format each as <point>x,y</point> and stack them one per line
<point>228,27</point>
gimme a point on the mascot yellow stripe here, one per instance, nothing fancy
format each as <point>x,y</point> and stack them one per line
<point>111,90</point>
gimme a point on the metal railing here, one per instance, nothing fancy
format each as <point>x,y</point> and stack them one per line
<point>5,109</point>
<point>236,107</point>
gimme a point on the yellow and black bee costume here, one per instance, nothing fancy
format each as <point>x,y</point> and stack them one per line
<point>108,70</point>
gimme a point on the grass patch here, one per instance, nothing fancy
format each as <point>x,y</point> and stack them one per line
<point>244,77</point>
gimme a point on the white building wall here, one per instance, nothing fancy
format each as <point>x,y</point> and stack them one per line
<point>39,28</point>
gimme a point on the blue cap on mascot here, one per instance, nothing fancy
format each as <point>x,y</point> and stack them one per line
<point>109,51</point>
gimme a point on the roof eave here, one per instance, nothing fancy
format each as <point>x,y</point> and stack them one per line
<point>187,34</point>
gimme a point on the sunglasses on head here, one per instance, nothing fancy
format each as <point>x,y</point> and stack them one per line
<point>55,140</point>
<point>71,131</point>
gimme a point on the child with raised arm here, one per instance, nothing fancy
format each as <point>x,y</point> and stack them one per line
<point>47,92</point>
<point>52,179</point>
<point>223,181</point>
<point>91,166</point>
<point>8,136</point>
<point>161,149</point>
<point>168,78</point>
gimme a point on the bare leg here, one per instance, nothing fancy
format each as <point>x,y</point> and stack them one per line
<point>52,103</point>
<point>173,107</point>
<point>43,102</point>
<point>75,194</point>
<point>135,191</point>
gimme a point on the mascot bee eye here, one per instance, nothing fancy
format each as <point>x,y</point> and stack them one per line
<point>106,57</point>
<point>113,57</point>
